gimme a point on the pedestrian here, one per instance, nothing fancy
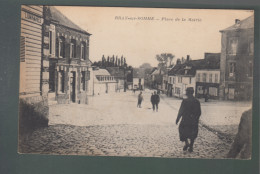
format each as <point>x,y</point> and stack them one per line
<point>189,113</point>
<point>140,99</point>
<point>242,144</point>
<point>155,99</point>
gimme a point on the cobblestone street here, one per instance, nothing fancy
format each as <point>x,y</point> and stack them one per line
<point>112,125</point>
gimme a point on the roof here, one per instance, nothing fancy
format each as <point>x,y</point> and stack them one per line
<point>116,72</point>
<point>211,61</point>
<point>58,17</point>
<point>138,73</point>
<point>243,24</point>
<point>101,72</point>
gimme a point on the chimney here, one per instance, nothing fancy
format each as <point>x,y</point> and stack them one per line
<point>188,58</point>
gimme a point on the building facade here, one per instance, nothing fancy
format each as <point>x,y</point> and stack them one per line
<point>104,82</point>
<point>236,63</point>
<point>31,87</point>
<point>66,64</point>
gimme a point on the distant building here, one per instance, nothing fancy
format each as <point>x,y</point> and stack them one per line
<point>66,64</point>
<point>104,82</point>
<point>208,76</point>
<point>236,63</point>
<point>138,78</point>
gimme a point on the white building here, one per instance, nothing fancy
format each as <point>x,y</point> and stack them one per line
<point>103,82</point>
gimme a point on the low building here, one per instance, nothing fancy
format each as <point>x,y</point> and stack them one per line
<point>104,82</point>
<point>66,64</point>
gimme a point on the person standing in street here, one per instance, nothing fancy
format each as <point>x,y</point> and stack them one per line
<point>155,99</point>
<point>140,99</point>
<point>189,114</point>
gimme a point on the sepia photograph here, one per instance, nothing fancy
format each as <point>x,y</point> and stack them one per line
<point>136,82</point>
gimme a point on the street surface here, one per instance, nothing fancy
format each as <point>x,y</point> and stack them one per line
<point>112,125</point>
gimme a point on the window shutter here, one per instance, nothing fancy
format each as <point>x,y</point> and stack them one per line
<point>22,49</point>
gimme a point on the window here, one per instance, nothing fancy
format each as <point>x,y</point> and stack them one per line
<point>210,78</point>
<point>22,49</point>
<point>232,45</point>
<point>216,78</point>
<point>83,50</point>
<point>83,81</point>
<point>50,42</point>
<point>232,69</point>
<point>198,77</point>
<point>61,47</point>
<point>251,46</point>
<point>179,79</point>
<point>204,77</point>
<point>190,80</point>
<point>73,48</point>
<point>61,79</point>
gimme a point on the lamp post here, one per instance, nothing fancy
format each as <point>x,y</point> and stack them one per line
<point>124,80</point>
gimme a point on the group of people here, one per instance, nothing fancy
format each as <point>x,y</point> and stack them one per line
<point>155,99</point>
<point>188,116</point>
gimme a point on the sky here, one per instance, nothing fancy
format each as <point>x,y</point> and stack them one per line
<point>125,31</point>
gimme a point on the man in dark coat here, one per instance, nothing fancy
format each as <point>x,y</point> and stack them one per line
<point>190,112</point>
<point>242,145</point>
<point>155,99</point>
<point>140,99</point>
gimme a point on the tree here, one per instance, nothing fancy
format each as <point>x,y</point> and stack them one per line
<point>165,60</point>
<point>116,61</point>
<point>103,60</point>
<point>146,66</point>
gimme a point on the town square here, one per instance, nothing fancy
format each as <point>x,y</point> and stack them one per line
<point>111,86</point>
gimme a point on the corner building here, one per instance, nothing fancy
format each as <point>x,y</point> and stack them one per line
<point>66,64</point>
<point>236,62</point>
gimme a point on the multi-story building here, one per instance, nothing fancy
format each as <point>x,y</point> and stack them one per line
<point>208,76</point>
<point>236,63</point>
<point>181,77</point>
<point>66,65</point>
<point>31,87</point>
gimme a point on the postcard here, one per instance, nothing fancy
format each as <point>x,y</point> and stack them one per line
<point>136,82</point>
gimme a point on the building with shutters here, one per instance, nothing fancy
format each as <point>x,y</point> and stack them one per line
<point>66,66</point>
<point>236,63</point>
<point>31,88</point>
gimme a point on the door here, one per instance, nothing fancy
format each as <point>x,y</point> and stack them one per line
<point>72,86</point>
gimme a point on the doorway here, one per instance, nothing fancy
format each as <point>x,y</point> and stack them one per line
<point>73,86</point>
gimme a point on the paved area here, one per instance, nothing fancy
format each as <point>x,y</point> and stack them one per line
<point>112,125</point>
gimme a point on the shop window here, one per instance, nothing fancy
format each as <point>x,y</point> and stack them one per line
<point>61,47</point>
<point>232,69</point>
<point>83,81</point>
<point>61,78</point>
<point>232,45</point>
<point>73,48</point>
<point>204,77</point>
<point>83,50</point>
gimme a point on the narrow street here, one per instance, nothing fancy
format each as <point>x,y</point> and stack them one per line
<point>112,125</point>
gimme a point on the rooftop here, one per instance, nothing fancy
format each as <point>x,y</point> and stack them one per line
<point>243,24</point>
<point>59,18</point>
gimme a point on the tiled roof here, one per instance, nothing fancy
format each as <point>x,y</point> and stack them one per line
<point>116,72</point>
<point>243,24</point>
<point>211,61</point>
<point>58,17</point>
